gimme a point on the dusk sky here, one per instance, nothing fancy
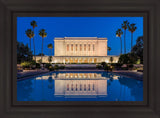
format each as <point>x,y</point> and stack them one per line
<point>79,27</point>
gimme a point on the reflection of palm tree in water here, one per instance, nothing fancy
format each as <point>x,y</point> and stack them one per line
<point>124,93</point>
<point>25,90</point>
<point>128,83</point>
<point>120,90</point>
<point>120,93</point>
<point>50,80</point>
<point>110,79</point>
<point>43,99</point>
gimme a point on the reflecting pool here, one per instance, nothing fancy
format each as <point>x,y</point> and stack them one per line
<point>80,86</point>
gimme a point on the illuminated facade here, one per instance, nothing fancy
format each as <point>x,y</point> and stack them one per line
<point>80,46</point>
<point>80,50</point>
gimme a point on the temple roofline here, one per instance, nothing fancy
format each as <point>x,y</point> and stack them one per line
<point>79,38</point>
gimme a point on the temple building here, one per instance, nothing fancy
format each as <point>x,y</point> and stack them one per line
<point>80,50</point>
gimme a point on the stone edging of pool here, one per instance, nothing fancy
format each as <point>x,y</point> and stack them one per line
<point>125,74</point>
<point>38,74</point>
<point>30,76</point>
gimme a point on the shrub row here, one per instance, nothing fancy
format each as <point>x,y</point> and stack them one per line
<point>55,67</point>
<point>30,65</point>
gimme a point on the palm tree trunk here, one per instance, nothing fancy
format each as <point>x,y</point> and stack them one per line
<point>121,44</point>
<point>131,41</point>
<point>124,42</point>
<point>34,46</point>
<point>42,49</point>
<point>30,44</point>
<point>30,50</point>
<point>49,51</point>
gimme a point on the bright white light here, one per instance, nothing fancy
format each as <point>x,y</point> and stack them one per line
<point>107,61</point>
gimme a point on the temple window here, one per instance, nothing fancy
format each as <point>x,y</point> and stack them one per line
<point>72,87</point>
<point>80,87</point>
<point>76,47</point>
<point>88,87</point>
<point>67,87</point>
<point>80,47</point>
<point>71,47</point>
<point>84,87</point>
<point>93,87</point>
<point>88,47</point>
<point>67,47</point>
<point>76,87</point>
<point>84,47</point>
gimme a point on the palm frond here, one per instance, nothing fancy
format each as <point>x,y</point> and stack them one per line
<point>132,28</point>
<point>34,24</point>
<point>42,33</point>
<point>125,24</point>
<point>50,46</point>
<point>119,33</point>
<point>30,33</point>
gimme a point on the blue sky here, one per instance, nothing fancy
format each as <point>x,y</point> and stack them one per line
<point>78,27</point>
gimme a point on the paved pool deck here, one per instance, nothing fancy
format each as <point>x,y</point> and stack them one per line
<point>130,74</point>
<point>30,73</point>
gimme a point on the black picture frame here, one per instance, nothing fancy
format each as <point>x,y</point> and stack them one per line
<point>10,9</point>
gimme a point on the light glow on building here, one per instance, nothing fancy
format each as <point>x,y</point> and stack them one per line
<point>80,50</point>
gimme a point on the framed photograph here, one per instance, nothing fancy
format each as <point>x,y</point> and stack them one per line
<point>79,59</point>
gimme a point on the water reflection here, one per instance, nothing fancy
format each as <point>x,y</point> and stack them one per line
<point>80,86</point>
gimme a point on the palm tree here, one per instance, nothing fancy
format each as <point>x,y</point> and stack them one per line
<point>50,46</point>
<point>30,35</point>
<point>109,49</point>
<point>43,34</point>
<point>125,26</point>
<point>111,59</point>
<point>119,33</point>
<point>132,28</point>
<point>34,24</point>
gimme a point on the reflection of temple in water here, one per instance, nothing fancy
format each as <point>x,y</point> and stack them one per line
<point>78,76</point>
<point>87,84</point>
<point>80,87</point>
<point>79,84</point>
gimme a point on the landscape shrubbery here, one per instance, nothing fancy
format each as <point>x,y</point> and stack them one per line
<point>47,65</point>
<point>38,65</point>
<point>30,65</point>
<point>26,64</point>
<point>52,68</point>
<point>99,66</point>
<point>108,67</point>
<point>56,67</point>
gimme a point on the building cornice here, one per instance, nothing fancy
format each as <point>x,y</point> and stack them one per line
<point>80,38</point>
